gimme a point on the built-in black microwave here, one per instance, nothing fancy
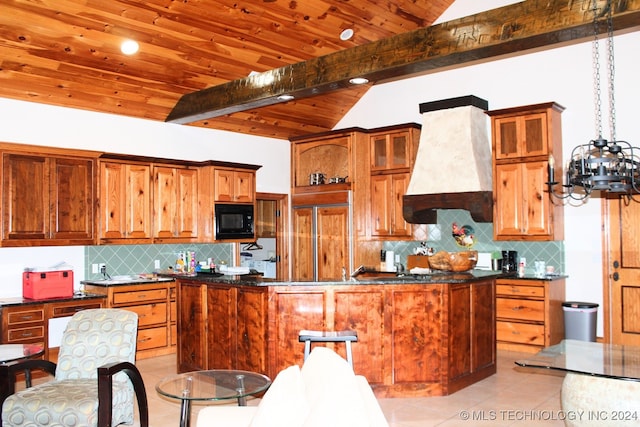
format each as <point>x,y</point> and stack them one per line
<point>234,221</point>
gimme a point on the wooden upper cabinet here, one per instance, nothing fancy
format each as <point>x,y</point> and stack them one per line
<point>386,205</point>
<point>266,218</point>
<point>328,155</point>
<point>523,139</point>
<point>47,199</point>
<point>392,154</point>
<point>391,150</point>
<point>125,202</point>
<point>233,185</point>
<point>521,136</point>
<point>175,203</point>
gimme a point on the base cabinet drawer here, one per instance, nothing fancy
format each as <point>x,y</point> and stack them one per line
<point>520,309</point>
<point>20,317</point>
<point>19,335</point>
<point>521,333</point>
<point>133,297</point>
<point>152,338</point>
<point>150,314</point>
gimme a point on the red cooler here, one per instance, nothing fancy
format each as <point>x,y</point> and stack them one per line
<point>47,284</point>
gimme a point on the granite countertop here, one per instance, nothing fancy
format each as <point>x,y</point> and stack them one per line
<point>126,280</point>
<point>5,302</point>
<point>548,277</point>
<point>257,280</point>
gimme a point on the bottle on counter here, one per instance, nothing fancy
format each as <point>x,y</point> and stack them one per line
<point>521,269</point>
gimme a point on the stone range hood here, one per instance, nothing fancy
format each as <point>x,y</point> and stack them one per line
<point>453,163</point>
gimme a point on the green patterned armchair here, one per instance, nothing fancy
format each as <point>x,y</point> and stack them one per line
<point>95,378</point>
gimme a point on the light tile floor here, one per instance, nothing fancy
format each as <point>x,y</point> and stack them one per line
<point>512,397</point>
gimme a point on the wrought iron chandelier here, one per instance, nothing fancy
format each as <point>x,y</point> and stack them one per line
<point>610,166</point>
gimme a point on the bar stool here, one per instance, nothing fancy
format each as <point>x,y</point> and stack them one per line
<point>328,336</point>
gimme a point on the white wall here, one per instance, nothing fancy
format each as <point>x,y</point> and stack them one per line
<point>563,75</point>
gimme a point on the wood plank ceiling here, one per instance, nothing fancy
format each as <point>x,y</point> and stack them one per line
<point>67,53</point>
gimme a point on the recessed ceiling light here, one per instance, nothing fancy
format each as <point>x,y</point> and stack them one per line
<point>129,47</point>
<point>346,34</point>
<point>358,81</point>
<point>285,97</point>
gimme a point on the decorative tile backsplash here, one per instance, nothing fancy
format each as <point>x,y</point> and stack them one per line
<point>440,238</point>
<point>136,259</point>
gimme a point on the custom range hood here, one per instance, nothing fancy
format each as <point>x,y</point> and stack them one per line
<point>453,163</point>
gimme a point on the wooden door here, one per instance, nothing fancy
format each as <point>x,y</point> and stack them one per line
<point>164,202</point>
<point>25,201</point>
<point>221,332</point>
<point>72,195</point>
<point>125,201</point>
<point>332,234</point>
<point>243,186</point>
<point>380,205</point>
<point>251,330</point>
<point>507,201</point>
<point>537,205</point>
<point>296,310</point>
<point>484,321</point>
<point>399,184</point>
<point>223,185</point>
<point>622,272</point>
<point>362,311</point>
<point>191,326</point>
<point>303,248</point>
<point>138,201</point>
<point>186,222</point>
<point>416,334</point>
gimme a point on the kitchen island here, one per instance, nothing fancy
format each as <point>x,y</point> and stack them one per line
<point>417,336</point>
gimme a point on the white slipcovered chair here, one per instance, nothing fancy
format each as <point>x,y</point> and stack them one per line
<point>95,377</point>
<point>324,392</point>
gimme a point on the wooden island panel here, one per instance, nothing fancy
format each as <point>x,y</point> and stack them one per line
<point>413,339</point>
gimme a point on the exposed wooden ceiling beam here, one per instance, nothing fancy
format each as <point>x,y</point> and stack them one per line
<point>521,26</point>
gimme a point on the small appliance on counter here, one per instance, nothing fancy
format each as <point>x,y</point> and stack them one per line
<point>509,261</point>
<point>51,282</point>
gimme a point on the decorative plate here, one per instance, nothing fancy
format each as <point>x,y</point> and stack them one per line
<point>464,236</point>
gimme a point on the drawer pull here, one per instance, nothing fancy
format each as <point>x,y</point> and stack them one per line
<point>144,339</point>
<point>515,332</point>
<point>142,296</point>
<point>517,308</point>
<point>27,334</point>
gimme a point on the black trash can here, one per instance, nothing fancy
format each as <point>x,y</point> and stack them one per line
<point>580,319</point>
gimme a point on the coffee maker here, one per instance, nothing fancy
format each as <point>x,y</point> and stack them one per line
<point>509,261</point>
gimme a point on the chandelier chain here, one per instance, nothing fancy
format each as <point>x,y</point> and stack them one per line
<point>611,71</point>
<point>597,90</point>
<point>596,71</point>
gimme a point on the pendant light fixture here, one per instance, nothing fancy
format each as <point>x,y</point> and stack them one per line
<point>610,166</point>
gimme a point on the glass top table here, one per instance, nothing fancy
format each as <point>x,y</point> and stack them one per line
<point>12,352</point>
<point>217,384</point>
<point>590,358</point>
